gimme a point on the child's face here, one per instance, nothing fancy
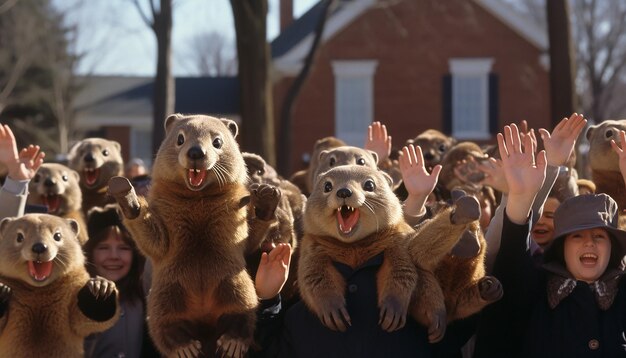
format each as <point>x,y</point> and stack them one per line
<point>112,257</point>
<point>587,253</point>
<point>543,231</point>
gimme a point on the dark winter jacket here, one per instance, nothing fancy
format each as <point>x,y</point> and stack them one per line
<point>525,324</point>
<point>305,336</point>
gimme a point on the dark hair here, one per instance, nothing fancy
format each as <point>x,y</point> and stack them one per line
<point>99,226</point>
<point>555,252</point>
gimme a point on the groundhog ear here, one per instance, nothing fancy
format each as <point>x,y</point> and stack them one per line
<point>374,155</point>
<point>72,152</point>
<point>117,145</point>
<point>590,131</point>
<point>322,155</point>
<point>231,125</point>
<point>75,175</point>
<point>3,225</point>
<point>74,225</point>
<point>388,178</point>
<point>171,119</point>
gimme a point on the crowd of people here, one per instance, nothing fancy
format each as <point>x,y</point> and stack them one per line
<point>555,246</point>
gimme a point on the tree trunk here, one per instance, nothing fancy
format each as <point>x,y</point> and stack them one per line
<point>285,137</point>
<point>562,60</point>
<point>257,122</point>
<point>164,86</point>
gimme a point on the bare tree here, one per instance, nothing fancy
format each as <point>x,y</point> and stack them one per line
<point>256,88</point>
<point>213,54</point>
<point>160,21</point>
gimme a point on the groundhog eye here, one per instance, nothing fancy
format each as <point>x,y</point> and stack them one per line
<point>20,237</point>
<point>259,172</point>
<point>105,152</point>
<point>332,161</point>
<point>65,178</point>
<point>360,161</point>
<point>369,185</point>
<point>57,236</point>
<point>180,140</point>
<point>217,143</point>
<point>608,133</point>
<point>36,178</point>
<point>328,186</point>
<point>442,148</point>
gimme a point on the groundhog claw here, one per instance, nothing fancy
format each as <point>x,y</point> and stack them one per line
<point>122,190</point>
<point>335,316</point>
<point>467,209</point>
<point>191,350</point>
<point>5,293</point>
<point>437,328</point>
<point>392,314</point>
<point>231,347</point>
<point>490,289</point>
<point>100,287</point>
<point>264,198</point>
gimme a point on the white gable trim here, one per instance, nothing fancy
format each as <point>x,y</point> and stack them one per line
<point>523,25</point>
<point>291,62</point>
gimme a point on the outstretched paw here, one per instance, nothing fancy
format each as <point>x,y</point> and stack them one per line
<point>264,198</point>
<point>191,350</point>
<point>467,209</point>
<point>392,314</point>
<point>122,190</point>
<point>437,327</point>
<point>98,299</point>
<point>334,315</point>
<point>468,245</point>
<point>231,347</point>
<point>490,289</point>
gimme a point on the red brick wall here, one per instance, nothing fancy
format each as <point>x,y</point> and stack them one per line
<point>413,41</point>
<point>120,134</point>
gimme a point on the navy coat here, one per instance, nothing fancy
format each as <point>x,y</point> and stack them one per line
<point>305,336</point>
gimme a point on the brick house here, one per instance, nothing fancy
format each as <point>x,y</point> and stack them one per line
<point>465,67</point>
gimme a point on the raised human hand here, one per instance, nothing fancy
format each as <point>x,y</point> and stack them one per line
<point>24,165</point>
<point>418,182</point>
<point>273,271</point>
<point>621,152</point>
<point>494,175</point>
<point>561,142</point>
<point>522,173</point>
<point>378,141</point>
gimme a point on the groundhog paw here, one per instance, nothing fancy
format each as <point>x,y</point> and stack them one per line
<point>437,327</point>
<point>334,315</point>
<point>5,293</point>
<point>264,198</point>
<point>392,314</point>
<point>229,347</point>
<point>122,190</point>
<point>468,245</point>
<point>490,289</point>
<point>467,209</point>
<point>192,349</point>
<point>101,288</point>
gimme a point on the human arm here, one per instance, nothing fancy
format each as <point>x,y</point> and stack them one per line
<point>22,165</point>
<point>418,182</point>
<point>378,141</point>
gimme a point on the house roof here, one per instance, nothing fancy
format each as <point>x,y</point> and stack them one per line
<point>291,46</point>
<point>132,96</point>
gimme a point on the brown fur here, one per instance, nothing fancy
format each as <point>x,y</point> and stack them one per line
<point>304,179</point>
<point>195,234</point>
<point>380,228</point>
<point>448,180</point>
<point>105,157</point>
<point>604,161</point>
<point>434,146</point>
<point>48,318</point>
<point>58,183</point>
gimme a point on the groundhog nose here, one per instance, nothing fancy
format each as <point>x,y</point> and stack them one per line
<point>344,193</point>
<point>195,153</point>
<point>429,156</point>
<point>88,158</point>
<point>48,182</point>
<point>39,248</point>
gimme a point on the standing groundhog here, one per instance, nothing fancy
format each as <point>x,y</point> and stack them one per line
<point>56,186</point>
<point>96,160</point>
<point>304,179</point>
<point>48,303</point>
<point>193,227</point>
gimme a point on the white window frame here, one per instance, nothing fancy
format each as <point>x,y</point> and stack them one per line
<point>471,68</point>
<point>350,70</point>
<point>140,136</point>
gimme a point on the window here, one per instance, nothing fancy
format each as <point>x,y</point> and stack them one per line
<point>141,144</point>
<point>470,109</point>
<point>354,99</point>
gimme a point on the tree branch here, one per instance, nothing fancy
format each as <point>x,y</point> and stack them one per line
<point>143,15</point>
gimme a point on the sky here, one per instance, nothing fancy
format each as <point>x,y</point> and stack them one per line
<point>114,40</point>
